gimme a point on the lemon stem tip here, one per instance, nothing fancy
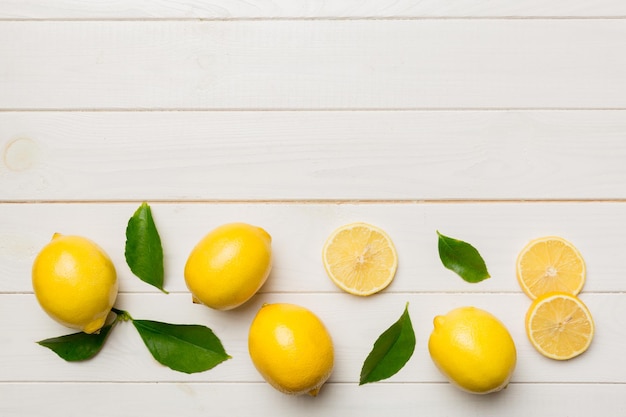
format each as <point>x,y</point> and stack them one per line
<point>314,392</point>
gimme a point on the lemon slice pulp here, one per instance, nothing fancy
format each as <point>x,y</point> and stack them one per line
<point>550,264</point>
<point>559,326</point>
<point>360,258</point>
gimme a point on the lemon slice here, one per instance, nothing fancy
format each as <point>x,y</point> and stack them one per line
<point>559,326</point>
<point>550,264</point>
<point>360,258</point>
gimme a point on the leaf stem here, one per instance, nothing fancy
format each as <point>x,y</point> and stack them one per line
<point>122,315</point>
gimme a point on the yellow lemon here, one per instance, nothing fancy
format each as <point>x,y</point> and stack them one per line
<point>75,282</point>
<point>559,326</point>
<point>291,348</point>
<point>229,265</point>
<point>473,349</point>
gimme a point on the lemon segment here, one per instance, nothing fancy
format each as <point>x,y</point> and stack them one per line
<point>229,265</point>
<point>473,350</point>
<point>559,326</point>
<point>75,282</point>
<point>291,348</point>
<point>360,258</point>
<point>550,264</point>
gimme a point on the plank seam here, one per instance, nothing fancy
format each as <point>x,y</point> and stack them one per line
<point>327,201</point>
<point>312,18</point>
<point>301,109</point>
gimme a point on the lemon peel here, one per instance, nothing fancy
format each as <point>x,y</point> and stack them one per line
<point>291,348</point>
<point>229,265</point>
<point>473,350</point>
<point>75,282</point>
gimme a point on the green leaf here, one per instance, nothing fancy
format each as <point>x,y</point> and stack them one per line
<point>462,258</point>
<point>78,346</point>
<point>391,351</point>
<point>186,348</point>
<point>144,254</point>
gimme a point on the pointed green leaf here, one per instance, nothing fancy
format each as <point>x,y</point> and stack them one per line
<point>78,346</point>
<point>186,348</point>
<point>144,254</point>
<point>462,258</point>
<point>391,351</point>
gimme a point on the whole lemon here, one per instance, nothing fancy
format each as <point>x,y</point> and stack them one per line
<point>75,282</point>
<point>473,349</point>
<point>291,348</point>
<point>229,265</point>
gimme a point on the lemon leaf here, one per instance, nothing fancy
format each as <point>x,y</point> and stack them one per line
<point>391,351</point>
<point>143,252</point>
<point>78,346</point>
<point>187,348</point>
<point>462,258</point>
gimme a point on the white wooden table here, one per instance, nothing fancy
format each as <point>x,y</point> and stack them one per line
<point>493,122</point>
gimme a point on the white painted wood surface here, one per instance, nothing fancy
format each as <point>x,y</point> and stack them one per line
<point>296,155</point>
<point>494,123</point>
<point>307,9</point>
<point>319,64</point>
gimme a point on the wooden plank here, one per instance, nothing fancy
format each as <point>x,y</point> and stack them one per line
<point>298,233</point>
<point>413,155</point>
<point>353,322</point>
<point>200,399</point>
<point>261,9</point>
<point>318,64</point>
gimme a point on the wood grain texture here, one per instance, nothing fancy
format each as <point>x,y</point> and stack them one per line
<point>414,155</point>
<point>371,64</point>
<point>260,9</point>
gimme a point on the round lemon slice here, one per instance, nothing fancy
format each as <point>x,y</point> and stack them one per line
<point>550,264</point>
<point>559,326</point>
<point>360,258</point>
